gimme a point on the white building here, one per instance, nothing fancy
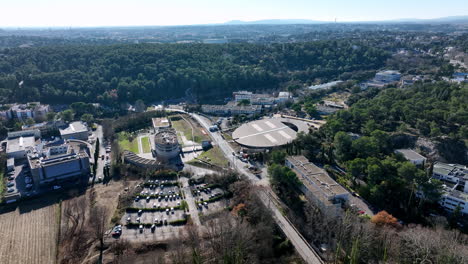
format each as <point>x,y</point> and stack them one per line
<point>283,97</point>
<point>455,178</point>
<point>75,130</point>
<point>412,156</point>
<point>242,95</point>
<point>17,147</point>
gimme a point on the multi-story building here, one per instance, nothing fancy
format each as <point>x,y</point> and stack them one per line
<point>46,128</point>
<point>75,130</point>
<point>231,109</point>
<point>57,163</point>
<point>242,95</point>
<point>455,179</point>
<point>317,186</point>
<point>25,111</point>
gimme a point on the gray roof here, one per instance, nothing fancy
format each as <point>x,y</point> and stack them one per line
<point>266,133</point>
<point>19,144</point>
<point>410,154</point>
<point>74,127</point>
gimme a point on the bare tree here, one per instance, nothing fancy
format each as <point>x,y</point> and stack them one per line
<point>99,219</point>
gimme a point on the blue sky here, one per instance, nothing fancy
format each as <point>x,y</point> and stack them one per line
<point>14,13</point>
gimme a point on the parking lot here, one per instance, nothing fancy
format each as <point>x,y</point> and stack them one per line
<point>19,183</point>
<point>156,213</point>
<point>208,199</point>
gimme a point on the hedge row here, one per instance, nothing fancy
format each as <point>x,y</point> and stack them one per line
<point>161,209</point>
<point>147,225</point>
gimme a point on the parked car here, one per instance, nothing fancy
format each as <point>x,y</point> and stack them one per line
<point>10,184</point>
<point>10,190</point>
<point>141,228</point>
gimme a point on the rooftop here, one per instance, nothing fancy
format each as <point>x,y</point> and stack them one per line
<point>410,154</point>
<point>20,144</point>
<point>266,133</point>
<point>316,178</point>
<point>160,122</point>
<point>166,137</point>
<point>454,170</point>
<point>74,127</point>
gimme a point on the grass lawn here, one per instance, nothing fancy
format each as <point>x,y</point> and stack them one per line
<point>184,127</point>
<point>214,156</point>
<point>146,144</point>
<point>126,144</point>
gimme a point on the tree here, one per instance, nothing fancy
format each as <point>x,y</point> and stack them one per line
<point>244,102</point>
<point>277,157</point>
<point>99,217</point>
<point>50,116</point>
<point>383,218</point>
<point>67,115</point>
<point>310,109</point>
<point>342,146</point>
<point>30,122</point>
<point>88,118</point>
<point>140,106</point>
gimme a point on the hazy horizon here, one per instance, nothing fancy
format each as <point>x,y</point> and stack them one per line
<point>111,13</point>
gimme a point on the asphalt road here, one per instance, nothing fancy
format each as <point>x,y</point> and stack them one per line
<point>302,246</point>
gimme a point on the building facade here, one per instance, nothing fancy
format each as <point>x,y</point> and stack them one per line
<point>58,164</point>
<point>454,177</point>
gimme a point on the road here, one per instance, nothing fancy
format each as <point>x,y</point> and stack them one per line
<point>102,151</point>
<point>302,246</point>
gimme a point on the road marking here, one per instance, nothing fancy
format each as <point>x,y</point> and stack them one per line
<point>272,139</point>
<point>257,127</point>
<point>284,134</point>
<point>270,124</point>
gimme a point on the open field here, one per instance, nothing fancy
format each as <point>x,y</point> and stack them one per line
<point>184,127</point>
<point>128,143</point>
<point>29,234</point>
<point>146,144</point>
<point>214,156</point>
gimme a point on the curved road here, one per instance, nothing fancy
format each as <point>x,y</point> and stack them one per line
<point>302,246</point>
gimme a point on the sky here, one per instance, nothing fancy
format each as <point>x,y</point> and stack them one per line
<point>91,13</point>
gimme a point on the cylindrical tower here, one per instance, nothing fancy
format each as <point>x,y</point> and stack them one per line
<point>167,146</point>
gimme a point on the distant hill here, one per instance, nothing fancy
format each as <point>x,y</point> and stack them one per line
<point>441,20</point>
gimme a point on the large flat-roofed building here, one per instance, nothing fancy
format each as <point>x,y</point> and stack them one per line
<point>318,186</point>
<point>160,123</point>
<point>75,130</point>
<point>230,110</point>
<point>58,163</point>
<point>17,147</point>
<point>412,156</point>
<point>268,132</point>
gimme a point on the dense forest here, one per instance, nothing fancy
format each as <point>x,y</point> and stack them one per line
<point>152,72</point>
